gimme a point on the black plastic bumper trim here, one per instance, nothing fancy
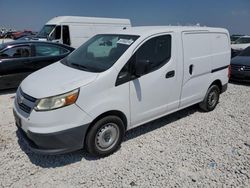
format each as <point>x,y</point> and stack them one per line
<point>56,143</point>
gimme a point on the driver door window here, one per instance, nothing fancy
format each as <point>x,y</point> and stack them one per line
<point>156,51</point>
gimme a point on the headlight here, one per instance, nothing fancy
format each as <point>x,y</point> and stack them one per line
<point>58,101</point>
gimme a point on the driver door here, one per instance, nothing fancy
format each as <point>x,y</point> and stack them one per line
<point>157,91</point>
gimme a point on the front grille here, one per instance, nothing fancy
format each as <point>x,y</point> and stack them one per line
<point>32,99</point>
<point>25,102</point>
<point>25,108</point>
<point>240,67</point>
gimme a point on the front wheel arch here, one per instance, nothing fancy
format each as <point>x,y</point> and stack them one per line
<point>95,139</point>
<point>117,113</point>
<point>218,83</point>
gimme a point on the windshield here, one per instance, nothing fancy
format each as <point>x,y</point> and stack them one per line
<point>246,52</point>
<point>243,40</point>
<point>100,52</point>
<point>46,30</point>
<point>234,38</point>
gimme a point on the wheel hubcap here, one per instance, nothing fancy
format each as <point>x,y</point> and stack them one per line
<point>212,99</point>
<point>107,136</point>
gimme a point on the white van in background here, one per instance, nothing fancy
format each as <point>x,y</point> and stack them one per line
<point>120,80</point>
<point>75,30</point>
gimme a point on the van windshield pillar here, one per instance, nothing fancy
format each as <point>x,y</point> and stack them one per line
<point>46,31</point>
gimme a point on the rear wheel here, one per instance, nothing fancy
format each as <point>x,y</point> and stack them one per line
<point>211,99</point>
<point>105,136</point>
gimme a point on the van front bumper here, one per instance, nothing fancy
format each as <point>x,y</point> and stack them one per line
<point>55,143</point>
<point>50,132</point>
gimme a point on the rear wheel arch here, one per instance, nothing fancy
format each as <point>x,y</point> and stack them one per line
<point>217,83</point>
<point>212,96</point>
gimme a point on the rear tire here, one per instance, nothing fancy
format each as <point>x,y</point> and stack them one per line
<point>105,136</point>
<point>211,99</point>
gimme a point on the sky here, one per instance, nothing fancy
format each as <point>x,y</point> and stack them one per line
<point>33,14</point>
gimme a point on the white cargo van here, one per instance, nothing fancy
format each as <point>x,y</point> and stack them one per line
<point>120,80</point>
<point>75,30</point>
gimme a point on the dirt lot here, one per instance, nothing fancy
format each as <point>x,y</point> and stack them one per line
<point>186,149</point>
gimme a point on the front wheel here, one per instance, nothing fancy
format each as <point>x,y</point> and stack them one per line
<point>211,99</point>
<point>105,136</point>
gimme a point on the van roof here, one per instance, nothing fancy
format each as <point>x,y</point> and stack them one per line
<point>147,30</point>
<point>80,19</point>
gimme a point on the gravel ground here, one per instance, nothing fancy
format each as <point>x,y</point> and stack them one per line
<point>186,149</point>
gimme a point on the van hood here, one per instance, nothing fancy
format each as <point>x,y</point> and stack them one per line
<point>241,60</point>
<point>55,79</point>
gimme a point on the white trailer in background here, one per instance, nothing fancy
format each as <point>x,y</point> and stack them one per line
<point>75,30</point>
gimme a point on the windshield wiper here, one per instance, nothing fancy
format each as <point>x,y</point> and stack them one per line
<point>82,67</point>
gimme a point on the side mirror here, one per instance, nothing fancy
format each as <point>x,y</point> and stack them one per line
<point>141,67</point>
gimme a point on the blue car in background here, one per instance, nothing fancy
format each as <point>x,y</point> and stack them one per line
<point>240,66</point>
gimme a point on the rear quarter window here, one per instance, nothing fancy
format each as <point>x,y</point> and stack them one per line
<point>49,50</point>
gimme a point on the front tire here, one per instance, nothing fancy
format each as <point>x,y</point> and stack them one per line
<point>105,137</point>
<point>211,99</point>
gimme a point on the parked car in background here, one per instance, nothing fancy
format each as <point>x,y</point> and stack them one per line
<point>234,53</point>
<point>9,34</point>
<point>24,33</point>
<point>233,38</point>
<point>26,37</point>
<point>14,35</point>
<point>240,66</point>
<point>241,43</point>
<point>19,59</point>
<point>5,40</point>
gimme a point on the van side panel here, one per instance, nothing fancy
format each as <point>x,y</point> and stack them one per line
<point>197,66</point>
<point>221,51</point>
<point>79,33</point>
<point>209,55</point>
